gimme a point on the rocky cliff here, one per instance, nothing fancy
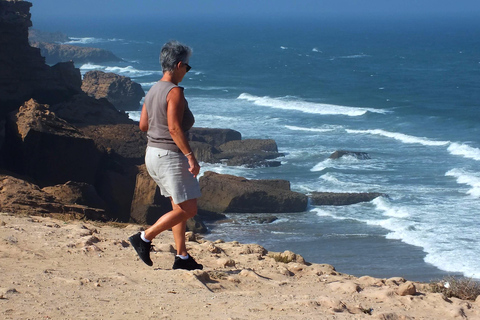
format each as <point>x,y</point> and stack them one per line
<point>23,73</point>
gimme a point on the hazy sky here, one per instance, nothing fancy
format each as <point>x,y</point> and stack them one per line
<point>259,8</point>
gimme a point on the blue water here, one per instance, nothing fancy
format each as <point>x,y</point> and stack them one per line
<point>405,91</point>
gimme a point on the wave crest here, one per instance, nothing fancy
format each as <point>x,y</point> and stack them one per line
<point>288,103</point>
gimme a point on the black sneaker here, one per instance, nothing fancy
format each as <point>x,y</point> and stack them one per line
<point>188,264</point>
<point>142,248</point>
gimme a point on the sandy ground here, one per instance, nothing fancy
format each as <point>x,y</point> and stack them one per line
<point>54,269</point>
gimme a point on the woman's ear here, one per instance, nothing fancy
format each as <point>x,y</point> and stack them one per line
<point>179,64</point>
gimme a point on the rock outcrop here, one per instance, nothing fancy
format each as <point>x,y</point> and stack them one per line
<point>22,197</point>
<point>23,72</point>
<point>226,146</point>
<point>342,198</point>
<point>120,91</point>
<point>47,148</point>
<point>226,193</point>
<point>54,53</point>
<point>359,155</point>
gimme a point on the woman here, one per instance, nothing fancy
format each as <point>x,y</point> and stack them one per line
<point>169,159</point>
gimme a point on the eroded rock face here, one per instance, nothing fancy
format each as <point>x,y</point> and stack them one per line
<point>226,193</point>
<point>73,192</point>
<point>23,72</point>
<point>82,110</point>
<point>47,148</point>
<point>20,196</point>
<point>120,91</point>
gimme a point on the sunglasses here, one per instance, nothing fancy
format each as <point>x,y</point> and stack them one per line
<point>187,66</point>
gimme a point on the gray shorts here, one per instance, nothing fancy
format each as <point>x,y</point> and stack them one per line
<point>169,169</point>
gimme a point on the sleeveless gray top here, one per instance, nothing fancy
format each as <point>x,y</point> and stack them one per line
<point>156,105</point>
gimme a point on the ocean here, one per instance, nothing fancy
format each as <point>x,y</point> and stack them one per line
<point>406,91</point>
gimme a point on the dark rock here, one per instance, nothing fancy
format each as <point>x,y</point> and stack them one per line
<point>23,72</point>
<point>227,193</point>
<point>116,187</point>
<point>196,225</point>
<point>226,146</point>
<point>82,110</point>
<point>204,152</point>
<point>76,193</point>
<point>47,148</point>
<point>54,53</point>
<point>250,153</point>
<point>18,196</point>
<point>359,155</point>
<point>341,199</point>
<point>213,137</point>
<point>120,91</point>
<point>206,215</point>
<point>124,140</point>
<point>263,220</point>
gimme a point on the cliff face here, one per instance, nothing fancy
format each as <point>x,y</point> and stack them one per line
<point>23,72</point>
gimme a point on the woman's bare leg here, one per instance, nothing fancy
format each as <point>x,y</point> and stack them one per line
<point>175,220</point>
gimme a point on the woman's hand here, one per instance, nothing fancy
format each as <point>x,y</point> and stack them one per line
<point>194,166</point>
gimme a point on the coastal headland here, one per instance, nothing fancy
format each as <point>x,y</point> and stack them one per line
<point>73,187</point>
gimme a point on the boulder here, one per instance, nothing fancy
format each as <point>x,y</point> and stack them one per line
<point>225,146</point>
<point>226,193</point>
<point>18,196</point>
<point>47,148</point>
<point>406,289</point>
<point>120,91</point>
<point>359,155</point>
<point>55,52</point>
<point>250,153</point>
<point>342,198</point>
<point>212,136</point>
<point>23,72</point>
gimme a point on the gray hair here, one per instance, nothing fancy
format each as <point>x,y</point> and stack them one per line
<point>172,53</point>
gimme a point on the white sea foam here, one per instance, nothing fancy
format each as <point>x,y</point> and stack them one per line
<point>322,165</point>
<point>401,137</point>
<point>316,50</point>
<point>289,103</point>
<point>389,211</point>
<point>88,40</point>
<point>294,128</point>
<point>283,48</point>
<point>148,85</point>
<point>469,178</point>
<point>325,213</point>
<point>354,56</point>
<point>134,115</point>
<point>128,71</point>
<point>464,151</point>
